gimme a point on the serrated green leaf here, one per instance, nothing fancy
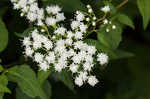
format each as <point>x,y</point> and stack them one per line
<point>112,38</point>
<point>26,80</point>
<point>124,19</point>
<point>66,78</point>
<point>67,5</point>
<point>1,68</point>
<point>43,75</point>
<point>144,8</point>
<point>3,36</point>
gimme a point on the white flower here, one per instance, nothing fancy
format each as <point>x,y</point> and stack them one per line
<point>77,59</point>
<point>51,57</point>
<point>78,35</point>
<point>69,34</point>
<point>74,68</point>
<point>53,9</point>
<point>37,44</point>
<point>83,76</point>
<point>31,16</point>
<point>60,30</point>
<point>60,17</point>
<point>79,16</point>
<point>83,28</point>
<point>48,44</point>
<point>94,18</point>
<point>58,67</point>
<point>29,51</point>
<point>87,66</point>
<point>94,23</point>
<point>38,57</point>
<point>78,81</point>
<point>102,58</point>
<point>75,24</point>
<point>88,19</point>
<point>106,9</point>
<point>44,66</point>
<point>26,41</point>
<point>107,30</point>
<point>91,50</point>
<point>50,21</point>
<point>92,80</point>
<point>69,41</point>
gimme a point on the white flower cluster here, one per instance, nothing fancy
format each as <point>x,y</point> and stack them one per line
<point>62,48</point>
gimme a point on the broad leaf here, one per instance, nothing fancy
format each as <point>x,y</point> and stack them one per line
<point>112,38</point>
<point>27,81</point>
<point>66,78</point>
<point>124,19</point>
<point>43,75</point>
<point>144,8</point>
<point>3,36</point>
<point>21,95</point>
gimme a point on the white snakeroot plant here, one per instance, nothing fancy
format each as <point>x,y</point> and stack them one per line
<point>62,48</point>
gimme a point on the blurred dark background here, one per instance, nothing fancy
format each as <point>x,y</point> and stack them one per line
<point>126,78</point>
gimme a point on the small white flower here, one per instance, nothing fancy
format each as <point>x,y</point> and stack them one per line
<point>48,45</point>
<point>78,35</point>
<point>60,30</point>
<point>92,80</point>
<point>106,9</point>
<point>37,44</point>
<point>31,16</point>
<point>83,28</point>
<point>29,51</point>
<point>60,17</point>
<point>102,58</point>
<point>69,34</point>
<point>50,21</point>
<point>38,57</point>
<point>50,58</point>
<point>53,9</point>
<point>44,66</point>
<point>79,16</point>
<point>26,41</point>
<point>78,81</point>
<point>74,68</point>
<point>83,76</point>
<point>91,50</point>
<point>75,24</point>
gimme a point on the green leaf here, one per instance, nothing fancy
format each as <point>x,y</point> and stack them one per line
<point>67,5</point>
<point>1,95</point>
<point>124,19</point>
<point>101,48</point>
<point>112,38</point>
<point>123,54</point>
<point>21,95</point>
<point>47,89</point>
<point>66,78</point>
<point>3,36</point>
<point>43,75</point>
<point>144,8</point>
<point>25,33</point>
<point>27,81</point>
<point>3,84</point>
<point>1,68</point>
